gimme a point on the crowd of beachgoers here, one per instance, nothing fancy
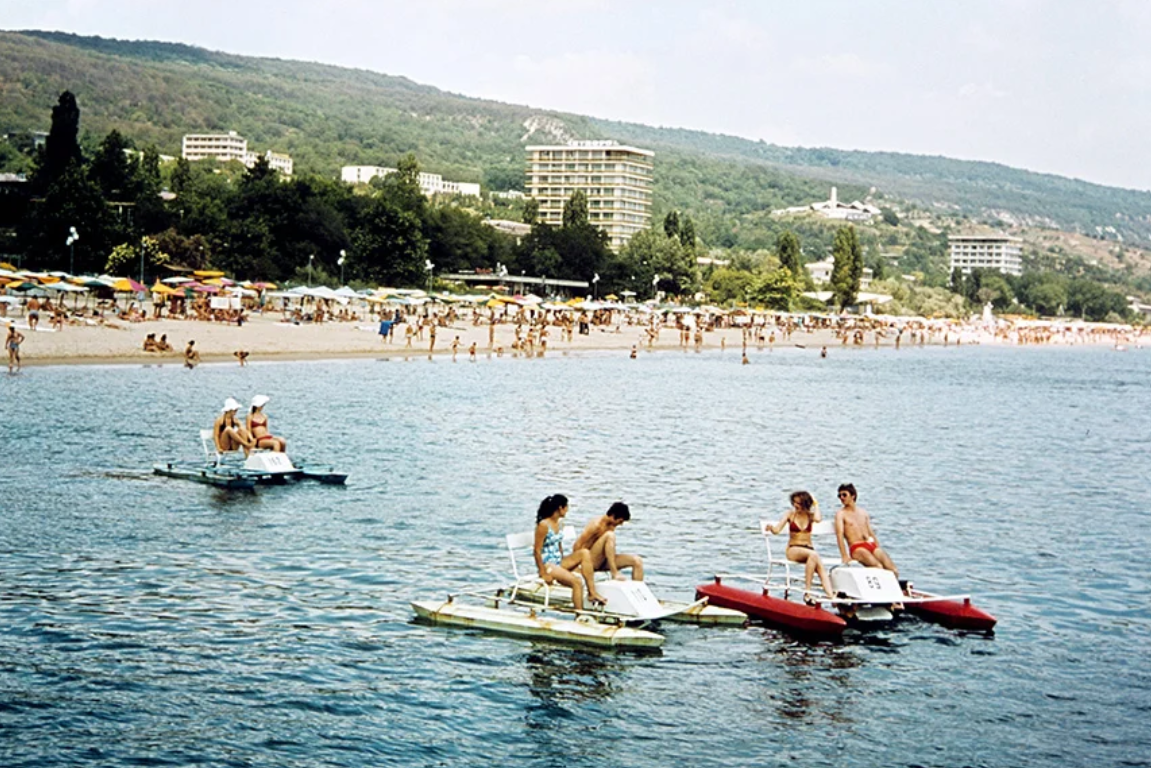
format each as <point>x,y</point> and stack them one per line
<point>321,322</point>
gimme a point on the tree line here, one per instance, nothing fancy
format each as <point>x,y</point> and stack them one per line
<point>254,224</point>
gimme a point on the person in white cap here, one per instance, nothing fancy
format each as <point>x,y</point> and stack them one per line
<point>229,434</point>
<point>258,427</point>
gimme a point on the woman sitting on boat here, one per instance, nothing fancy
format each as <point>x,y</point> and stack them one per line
<point>548,552</point>
<point>258,426</point>
<point>800,519</point>
<point>230,434</point>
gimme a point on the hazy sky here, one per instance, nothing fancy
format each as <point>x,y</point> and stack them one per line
<point>1058,87</point>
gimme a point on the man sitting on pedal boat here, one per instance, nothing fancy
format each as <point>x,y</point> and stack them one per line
<point>598,538</point>
<point>856,537</point>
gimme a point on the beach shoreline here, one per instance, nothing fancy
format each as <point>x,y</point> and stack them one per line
<point>268,339</point>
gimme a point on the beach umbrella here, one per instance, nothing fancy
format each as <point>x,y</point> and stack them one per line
<point>612,297</point>
<point>208,273</point>
<point>6,265</point>
<point>166,290</point>
<point>347,293</point>
<point>177,280</point>
<point>127,284</point>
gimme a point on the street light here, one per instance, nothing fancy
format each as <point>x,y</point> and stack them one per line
<point>73,236</point>
<point>310,258</point>
<point>340,261</point>
<point>429,266</point>
<point>595,285</point>
<point>655,285</point>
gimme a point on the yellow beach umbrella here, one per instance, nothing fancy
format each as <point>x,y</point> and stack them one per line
<point>166,290</point>
<point>208,273</point>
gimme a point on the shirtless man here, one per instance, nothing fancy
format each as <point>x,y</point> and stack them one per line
<point>599,539</point>
<point>855,536</point>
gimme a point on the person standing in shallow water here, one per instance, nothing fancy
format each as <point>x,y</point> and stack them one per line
<point>12,345</point>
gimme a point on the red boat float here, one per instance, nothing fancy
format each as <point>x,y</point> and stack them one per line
<point>863,596</point>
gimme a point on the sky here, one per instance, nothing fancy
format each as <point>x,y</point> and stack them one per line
<point>1059,87</point>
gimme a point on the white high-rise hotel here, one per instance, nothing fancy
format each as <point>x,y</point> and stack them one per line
<point>1000,252</point>
<point>616,179</point>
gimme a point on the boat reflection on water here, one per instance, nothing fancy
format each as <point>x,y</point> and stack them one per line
<point>563,676</point>
<point>812,671</point>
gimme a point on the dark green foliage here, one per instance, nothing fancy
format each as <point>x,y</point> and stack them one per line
<point>687,232</point>
<point>671,224</point>
<point>575,210</point>
<point>788,250</point>
<point>531,213</point>
<point>848,269</point>
<point>62,148</point>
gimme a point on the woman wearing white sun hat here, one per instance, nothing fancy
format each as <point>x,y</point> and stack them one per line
<point>230,434</point>
<point>258,426</point>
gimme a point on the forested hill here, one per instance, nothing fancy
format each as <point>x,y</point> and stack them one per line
<point>327,116</point>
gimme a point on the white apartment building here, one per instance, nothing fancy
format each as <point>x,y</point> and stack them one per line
<point>1000,252</point>
<point>430,183</point>
<point>616,179</point>
<point>214,146</point>
<point>230,146</point>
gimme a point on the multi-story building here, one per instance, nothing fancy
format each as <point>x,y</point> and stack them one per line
<point>616,179</point>
<point>230,146</point>
<point>214,146</point>
<point>430,183</point>
<point>1000,252</point>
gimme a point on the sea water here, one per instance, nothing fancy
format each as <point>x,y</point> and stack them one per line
<point>149,621</point>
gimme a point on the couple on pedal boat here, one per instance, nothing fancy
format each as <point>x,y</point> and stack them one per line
<point>853,533</point>
<point>230,434</point>
<point>593,551</point>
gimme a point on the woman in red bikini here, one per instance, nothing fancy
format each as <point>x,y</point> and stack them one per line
<point>258,426</point>
<point>856,537</point>
<point>800,519</point>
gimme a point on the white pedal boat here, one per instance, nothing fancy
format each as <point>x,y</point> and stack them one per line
<point>533,623</point>
<point>628,602</point>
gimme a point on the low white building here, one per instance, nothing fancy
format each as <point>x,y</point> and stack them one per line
<point>430,183</point>
<point>214,146</point>
<point>1003,253</point>
<point>230,146</point>
<point>516,229</point>
<point>820,272</point>
<point>833,209</point>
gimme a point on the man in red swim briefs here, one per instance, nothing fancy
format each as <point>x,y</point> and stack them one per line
<point>855,536</point>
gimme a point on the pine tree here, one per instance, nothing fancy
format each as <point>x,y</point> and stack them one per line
<point>575,211</point>
<point>62,147</point>
<point>848,269</point>
<point>787,249</point>
<point>671,224</point>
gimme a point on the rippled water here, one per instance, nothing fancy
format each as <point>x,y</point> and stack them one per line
<point>144,621</point>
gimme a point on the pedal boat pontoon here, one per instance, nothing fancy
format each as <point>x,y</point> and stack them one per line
<point>864,597</point>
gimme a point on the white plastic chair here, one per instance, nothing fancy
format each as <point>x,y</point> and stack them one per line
<point>525,542</point>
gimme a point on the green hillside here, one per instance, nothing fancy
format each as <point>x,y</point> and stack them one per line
<point>328,116</point>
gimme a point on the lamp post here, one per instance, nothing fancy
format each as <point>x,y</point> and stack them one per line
<point>340,261</point>
<point>311,257</point>
<point>428,267</point>
<point>544,286</point>
<point>655,286</point>
<point>595,286</point>
<point>73,236</point>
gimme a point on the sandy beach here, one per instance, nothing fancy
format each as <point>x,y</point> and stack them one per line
<point>267,338</point>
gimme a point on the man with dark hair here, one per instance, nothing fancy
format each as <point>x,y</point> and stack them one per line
<point>599,539</point>
<point>855,536</point>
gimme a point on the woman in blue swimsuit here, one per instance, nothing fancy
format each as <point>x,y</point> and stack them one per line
<point>550,560</point>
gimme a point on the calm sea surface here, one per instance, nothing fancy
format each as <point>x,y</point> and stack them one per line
<point>145,621</point>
